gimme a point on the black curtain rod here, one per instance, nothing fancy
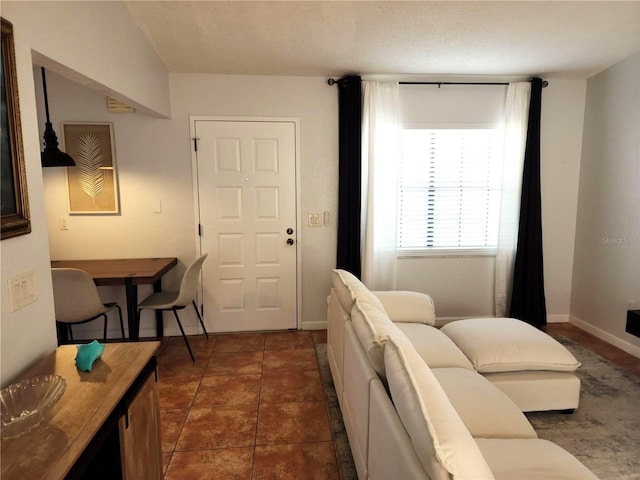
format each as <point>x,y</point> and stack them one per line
<point>453,83</point>
<point>331,81</point>
<point>544,83</point>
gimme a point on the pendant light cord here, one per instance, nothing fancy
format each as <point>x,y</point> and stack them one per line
<point>46,98</point>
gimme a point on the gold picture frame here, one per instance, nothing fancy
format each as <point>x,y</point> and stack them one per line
<point>92,185</point>
<point>15,201</point>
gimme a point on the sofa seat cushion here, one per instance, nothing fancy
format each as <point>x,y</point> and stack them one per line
<point>443,444</point>
<point>507,345</point>
<point>433,346</point>
<point>485,410</point>
<point>531,459</point>
<point>539,390</point>
<point>404,306</point>
<point>349,288</point>
<point>373,329</point>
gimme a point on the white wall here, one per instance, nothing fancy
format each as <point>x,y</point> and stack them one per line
<point>560,149</point>
<point>463,287</point>
<point>87,45</point>
<point>606,267</point>
<point>154,160</point>
<point>154,163</point>
<point>316,104</point>
<point>97,44</point>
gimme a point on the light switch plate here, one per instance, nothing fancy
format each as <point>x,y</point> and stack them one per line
<point>22,290</point>
<point>314,220</point>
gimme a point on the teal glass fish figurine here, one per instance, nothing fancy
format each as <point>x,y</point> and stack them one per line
<point>88,354</point>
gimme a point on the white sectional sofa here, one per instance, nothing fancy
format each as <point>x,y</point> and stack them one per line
<point>416,407</point>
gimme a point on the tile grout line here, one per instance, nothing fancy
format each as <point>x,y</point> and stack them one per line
<point>255,436</point>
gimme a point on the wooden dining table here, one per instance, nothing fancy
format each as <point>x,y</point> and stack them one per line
<point>129,272</point>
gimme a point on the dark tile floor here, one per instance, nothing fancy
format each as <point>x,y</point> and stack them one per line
<point>252,406</point>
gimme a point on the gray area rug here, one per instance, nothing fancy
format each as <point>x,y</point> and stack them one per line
<point>603,433</point>
<point>343,451</point>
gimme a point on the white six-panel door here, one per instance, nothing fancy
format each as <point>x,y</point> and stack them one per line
<point>246,182</point>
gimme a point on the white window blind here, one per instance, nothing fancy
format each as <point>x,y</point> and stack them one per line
<point>449,192</point>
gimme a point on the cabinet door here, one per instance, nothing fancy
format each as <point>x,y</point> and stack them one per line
<point>140,446</point>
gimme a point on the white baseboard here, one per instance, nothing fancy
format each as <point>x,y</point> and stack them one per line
<point>606,336</point>
<point>314,325</point>
<point>174,332</point>
<point>558,318</point>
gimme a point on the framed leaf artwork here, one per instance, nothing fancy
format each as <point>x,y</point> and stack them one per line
<point>93,183</point>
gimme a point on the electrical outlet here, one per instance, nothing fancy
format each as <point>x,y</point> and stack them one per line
<point>64,223</point>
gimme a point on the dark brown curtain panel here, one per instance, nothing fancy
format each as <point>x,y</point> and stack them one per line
<point>349,184</point>
<point>528,301</point>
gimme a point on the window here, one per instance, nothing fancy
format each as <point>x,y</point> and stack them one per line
<point>449,191</point>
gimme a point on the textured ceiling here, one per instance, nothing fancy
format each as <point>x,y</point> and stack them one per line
<point>556,39</point>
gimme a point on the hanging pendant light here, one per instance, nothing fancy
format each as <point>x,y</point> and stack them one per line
<point>52,156</point>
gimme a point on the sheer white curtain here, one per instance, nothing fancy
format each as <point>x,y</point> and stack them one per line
<point>515,137</point>
<point>380,152</point>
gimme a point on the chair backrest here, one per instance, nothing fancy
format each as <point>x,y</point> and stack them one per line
<point>189,284</point>
<point>75,295</point>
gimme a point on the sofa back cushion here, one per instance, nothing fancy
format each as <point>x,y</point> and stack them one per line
<point>403,306</point>
<point>439,437</point>
<point>434,347</point>
<point>373,329</point>
<point>348,289</point>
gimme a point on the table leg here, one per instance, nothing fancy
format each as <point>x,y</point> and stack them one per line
<point>132,309</point>
<point>157,287</point>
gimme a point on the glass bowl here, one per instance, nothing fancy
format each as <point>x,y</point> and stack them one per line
<point>25,404</point>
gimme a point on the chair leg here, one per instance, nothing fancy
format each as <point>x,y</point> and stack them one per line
<point>137,322</point>
<point>200,318</point>
<point>104,337</point>
<point>175,313</point>
<point>62,333</point>
<point>70,333</point>
<point>121,322</point>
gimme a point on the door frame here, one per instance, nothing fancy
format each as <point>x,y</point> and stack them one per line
<point>196,194</point>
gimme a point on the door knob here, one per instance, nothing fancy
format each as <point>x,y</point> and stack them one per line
<point>289,241</point>
<point>289,231</point>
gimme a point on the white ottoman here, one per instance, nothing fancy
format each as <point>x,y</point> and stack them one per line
<point>532,368</point>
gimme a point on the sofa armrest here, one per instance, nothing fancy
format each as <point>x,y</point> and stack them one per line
<point>407,307</point>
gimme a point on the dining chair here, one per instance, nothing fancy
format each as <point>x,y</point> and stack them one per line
<point>77,300</point>
<point>174,301</point>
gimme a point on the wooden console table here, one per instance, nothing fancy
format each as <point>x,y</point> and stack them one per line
<point>106,425</point>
